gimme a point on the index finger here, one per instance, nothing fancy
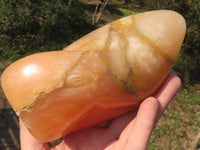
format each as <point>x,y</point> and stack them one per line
<point>167,92</point>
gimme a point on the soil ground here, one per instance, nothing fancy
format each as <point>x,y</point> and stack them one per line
<point>9,128</point>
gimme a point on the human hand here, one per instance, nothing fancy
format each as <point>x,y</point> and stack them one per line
<point>127,132</point>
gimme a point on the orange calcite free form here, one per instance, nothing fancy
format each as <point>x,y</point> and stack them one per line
<point>100,76</point>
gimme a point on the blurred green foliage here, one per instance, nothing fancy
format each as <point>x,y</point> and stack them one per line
<point>29,26</point>
<point>188,62</point>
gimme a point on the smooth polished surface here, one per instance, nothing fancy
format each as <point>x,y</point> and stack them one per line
<point>100,76</point>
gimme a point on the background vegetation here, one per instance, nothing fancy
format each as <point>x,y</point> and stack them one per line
<point>30,26</point>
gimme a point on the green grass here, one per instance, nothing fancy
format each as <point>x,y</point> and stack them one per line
<point>180,123</point>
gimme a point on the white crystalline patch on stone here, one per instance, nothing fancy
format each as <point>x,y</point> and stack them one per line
<point>141,53</point>
<point>116,56</point>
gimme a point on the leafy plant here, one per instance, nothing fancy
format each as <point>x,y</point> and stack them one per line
<point>28,26</point>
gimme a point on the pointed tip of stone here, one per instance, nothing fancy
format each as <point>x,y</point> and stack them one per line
<point>164,28</point>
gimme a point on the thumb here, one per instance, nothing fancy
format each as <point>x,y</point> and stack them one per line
<point>27,141</point>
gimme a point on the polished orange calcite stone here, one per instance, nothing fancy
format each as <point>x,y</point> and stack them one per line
<point>102,75</point>
<point>70,109</point>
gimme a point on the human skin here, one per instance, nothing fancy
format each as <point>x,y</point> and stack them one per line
<point>131,131</point>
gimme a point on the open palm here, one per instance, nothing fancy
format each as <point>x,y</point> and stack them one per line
<point>127,132</point>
